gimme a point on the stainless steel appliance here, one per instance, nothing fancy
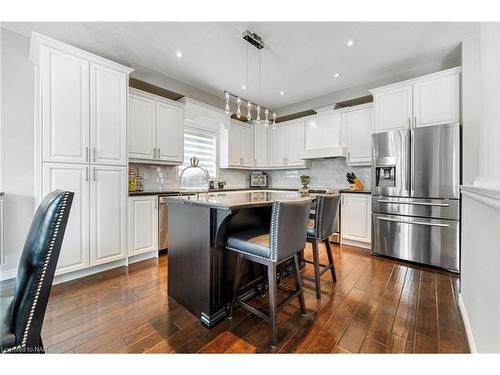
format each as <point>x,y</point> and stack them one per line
<point>259,179</point>
<point>415,195</point>
<point>162,223</point>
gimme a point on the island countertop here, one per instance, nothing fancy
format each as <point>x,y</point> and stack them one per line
<point>239,199</point>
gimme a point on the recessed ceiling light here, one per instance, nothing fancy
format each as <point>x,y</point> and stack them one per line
<point>282,93</point>
<point>336,75</point>
<point>243,87</point>
<point>178,54</point>
<point>350,43</point>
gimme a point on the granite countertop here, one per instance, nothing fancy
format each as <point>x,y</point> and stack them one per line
<point>239,199</point>
<point>176,192</point>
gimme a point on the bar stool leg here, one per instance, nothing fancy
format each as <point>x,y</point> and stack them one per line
<point>298,285</point>
<point>237,277</point>
<point>316,269</point>
<point>330,260</point>
<point>271,272</point>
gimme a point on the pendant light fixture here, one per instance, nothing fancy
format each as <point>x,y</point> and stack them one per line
<point>257,42</point>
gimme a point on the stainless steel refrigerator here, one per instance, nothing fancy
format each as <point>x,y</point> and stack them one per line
<point>415,195</point>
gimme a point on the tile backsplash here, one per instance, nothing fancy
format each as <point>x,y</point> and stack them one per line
<point>324,173</point>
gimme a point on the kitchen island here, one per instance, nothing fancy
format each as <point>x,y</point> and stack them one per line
<point>200,271</point>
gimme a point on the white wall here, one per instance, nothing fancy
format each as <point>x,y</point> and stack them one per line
<point>480,284</point>
<point>16,144</point>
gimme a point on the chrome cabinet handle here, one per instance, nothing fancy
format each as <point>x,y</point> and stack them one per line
<point>413,222</point>
<point>87,153</point>
<point>415,124</point>
<point>94,153</point>
<point>158,153</point>
<point>94,173</point>
<point>86,173</point>
<point>415,203</point>
<point>409,122</point>
<point>154,153</point>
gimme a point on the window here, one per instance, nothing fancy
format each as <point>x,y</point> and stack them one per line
<point>203,145</point>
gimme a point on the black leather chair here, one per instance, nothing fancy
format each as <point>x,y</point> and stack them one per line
<point>23,313</point>
<point>324,226</point>
<point>271,247</point>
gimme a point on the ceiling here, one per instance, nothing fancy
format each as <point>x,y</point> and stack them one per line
<point>300,58</point>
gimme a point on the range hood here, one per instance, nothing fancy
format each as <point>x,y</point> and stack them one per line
<point>325,153</point>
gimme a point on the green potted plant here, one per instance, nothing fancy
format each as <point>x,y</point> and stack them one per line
<point>304,180</point>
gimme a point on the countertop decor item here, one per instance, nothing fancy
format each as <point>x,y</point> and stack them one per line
<point>304,180</point>
<point>356,184</point>
<point>193,179</point>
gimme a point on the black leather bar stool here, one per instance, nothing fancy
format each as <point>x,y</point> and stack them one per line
<point>23,313</point>
<point>324,224</point>
<point>271,247</point>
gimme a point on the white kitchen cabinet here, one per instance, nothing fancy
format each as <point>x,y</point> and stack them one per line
<point>425,101</point>
<point>286,145</point>
<point>277,146</point>
<point>169,132</point>
<point>65,106</point>
<point>359,134</point>
<point>393,108</point>
<point>142,224</point>
<point>436,100</point>
<point>260,144</point>
<point>108,214</point>
<point>156,128</point>
<point>142,124</point>
<point>108,115</point>
<point>324,136</point>
<point>236,147</point>
<point>74,253</point>
<point>356,219</point>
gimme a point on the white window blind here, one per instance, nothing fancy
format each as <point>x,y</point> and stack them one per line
<point>203,145</point>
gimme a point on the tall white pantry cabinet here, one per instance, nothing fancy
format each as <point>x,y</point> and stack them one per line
<point>81,145</point>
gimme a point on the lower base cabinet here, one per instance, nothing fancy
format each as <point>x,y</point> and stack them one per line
<point>142,224</point>
<point>356,219</point>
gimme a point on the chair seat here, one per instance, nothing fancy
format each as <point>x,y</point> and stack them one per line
<point>253,241</point>
<point>7,338</point>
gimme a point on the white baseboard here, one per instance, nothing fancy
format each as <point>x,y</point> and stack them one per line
<point>468,328</point>
<point>364,245</point>
<point>89,271</point>
<point>144,256</point>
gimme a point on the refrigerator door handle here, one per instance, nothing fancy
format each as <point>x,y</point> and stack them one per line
<point>408,162</point>
<point>412,162</point>
<point>412,222</point>
<point>415,203</point>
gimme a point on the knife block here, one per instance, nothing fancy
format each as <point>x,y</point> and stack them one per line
<point>357,185</point>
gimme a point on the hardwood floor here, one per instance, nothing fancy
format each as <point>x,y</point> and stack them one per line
<point>376,306</point>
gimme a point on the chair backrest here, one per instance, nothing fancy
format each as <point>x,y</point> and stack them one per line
<point>326,215</point>
<point>288,230</point>
<point>37,267</point>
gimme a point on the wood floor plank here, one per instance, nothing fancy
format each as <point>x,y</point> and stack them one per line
<point>372,346</point>
<point>426,320</point>
<point>399,345</point>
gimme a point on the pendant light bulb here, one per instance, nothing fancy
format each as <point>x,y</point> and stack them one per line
<point>238,107</point>
<point>227,103</point>
<point>258,114</point>
<point>249,111</point>
<point>274,121</point>
<point>266,121</point>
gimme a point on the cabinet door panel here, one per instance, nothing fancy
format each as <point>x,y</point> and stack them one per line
<point>234,145</point>
<point>246,145</point>
<point>143,224</point>
<point>65,107</point>
<point>437,101</point>
<point>75,248</point>
<point>359,135</point>
<point>277,147</point>
<point>393,108</point>
<point>108,202</point>
<point>142,124</point>
<point>295,144</point>
<point>260,146</point>
<point>169,132</point>
<point>108,115</point>
<point>356,215</point>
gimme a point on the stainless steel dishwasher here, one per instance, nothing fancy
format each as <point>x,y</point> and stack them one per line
<point>162,223</point>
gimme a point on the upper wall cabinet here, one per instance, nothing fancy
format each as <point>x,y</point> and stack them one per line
<point>236,146</point>
<point>83,114</point>
<point>286,145</point>
<point>260,147</point>
<point>359,134</point>
<point>425,101</point>
<point>156,129</point>
<point>324,134</point>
